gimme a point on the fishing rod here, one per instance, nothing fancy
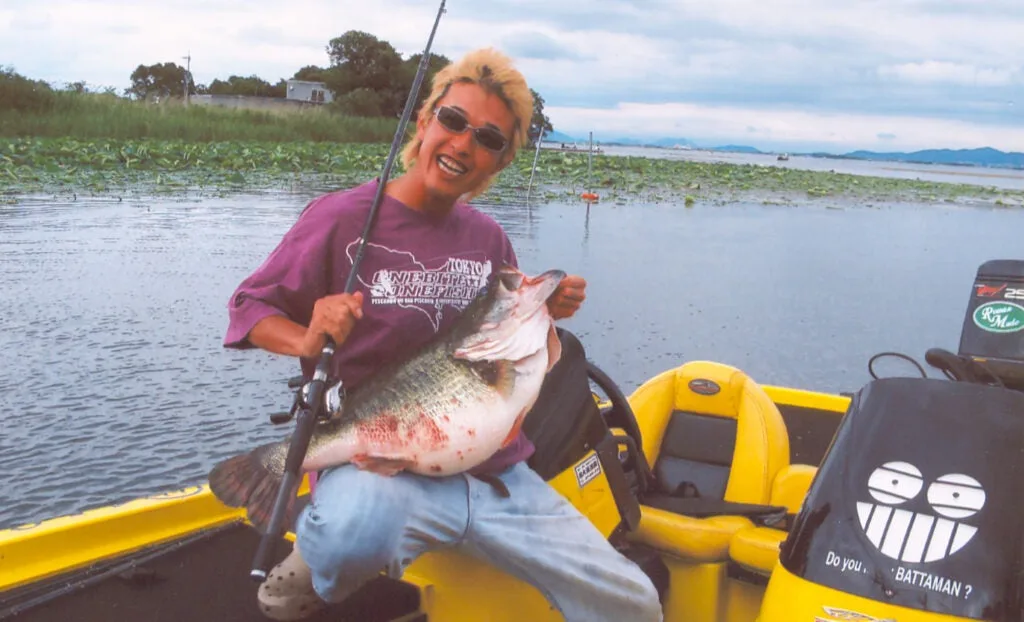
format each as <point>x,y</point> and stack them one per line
<point>312,410</point>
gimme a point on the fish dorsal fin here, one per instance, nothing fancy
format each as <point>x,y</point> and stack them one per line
<point>499,374</point>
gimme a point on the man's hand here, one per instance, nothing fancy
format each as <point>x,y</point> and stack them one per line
<point>332,315</point>
<point>568,297</point>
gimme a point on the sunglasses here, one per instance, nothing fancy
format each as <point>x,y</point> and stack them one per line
<point>456,122</point>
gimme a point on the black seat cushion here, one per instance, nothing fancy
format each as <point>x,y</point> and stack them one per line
<point>696,455</point>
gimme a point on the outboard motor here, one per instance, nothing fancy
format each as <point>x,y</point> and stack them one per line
<point>993,330</point>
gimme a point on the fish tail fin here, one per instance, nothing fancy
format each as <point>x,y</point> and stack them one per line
<point>248,480</point>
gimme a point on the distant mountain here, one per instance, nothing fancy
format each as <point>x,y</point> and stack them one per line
<point>673,142</point>
<point>555,136</point>
<point>628,142</point>
<point>985,156</point>
<point>667,142</point>
<point>737,149</point>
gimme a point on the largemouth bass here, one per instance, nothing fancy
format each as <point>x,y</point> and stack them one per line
<point>444,409</point>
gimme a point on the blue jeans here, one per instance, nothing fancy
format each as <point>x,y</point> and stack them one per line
<point>360,523</point>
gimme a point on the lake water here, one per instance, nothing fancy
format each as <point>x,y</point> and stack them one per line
<point>115,384</point>
<point>1002,178</point>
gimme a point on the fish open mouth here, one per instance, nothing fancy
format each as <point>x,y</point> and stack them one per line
<point>539,289</point>
<point>517,326</point>
<point>537,292</point>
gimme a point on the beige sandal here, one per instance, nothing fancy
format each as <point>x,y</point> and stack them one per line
<point>287,593</point>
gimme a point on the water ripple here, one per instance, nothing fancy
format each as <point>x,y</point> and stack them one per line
<point>115,384</point>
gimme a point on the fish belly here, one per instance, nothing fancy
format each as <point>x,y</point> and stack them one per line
<point>474,433</point>
<point>448,435</point>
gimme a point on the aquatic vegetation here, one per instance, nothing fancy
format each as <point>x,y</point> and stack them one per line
<point>686,182</point>
<point>98,166</point>
<point>142,166</point>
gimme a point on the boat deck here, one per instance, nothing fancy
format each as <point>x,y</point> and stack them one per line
<point>206,579</point>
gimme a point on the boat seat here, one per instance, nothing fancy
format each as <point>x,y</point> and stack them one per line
<point>791,485</point>
<point>757,548</point>
<point>716,442</point>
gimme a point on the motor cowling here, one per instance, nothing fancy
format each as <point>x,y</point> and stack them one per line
<point>993,328</point>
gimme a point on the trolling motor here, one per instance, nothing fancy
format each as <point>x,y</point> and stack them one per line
<point>309,406</point>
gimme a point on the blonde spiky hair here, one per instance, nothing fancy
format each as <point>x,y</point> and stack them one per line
<point>494,72</point>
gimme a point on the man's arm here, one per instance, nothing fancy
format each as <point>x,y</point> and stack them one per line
<point>278,334</point>
<point>332,315</point>
<point>273,308</point>
<point>566,300</point>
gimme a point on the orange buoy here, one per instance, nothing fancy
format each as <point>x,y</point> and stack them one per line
<point>589,196</point>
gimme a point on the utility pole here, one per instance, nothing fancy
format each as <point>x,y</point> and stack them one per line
<point>188,73</point>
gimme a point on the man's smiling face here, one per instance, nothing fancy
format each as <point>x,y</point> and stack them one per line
<point>450,164</point>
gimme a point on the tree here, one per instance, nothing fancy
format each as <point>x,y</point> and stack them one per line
<point>435,64</point>
<point>279,90</point>
<point>20,93</point>
<point>161,79</point>
<point>363,61</point>
<point>368,77</point>
<point>360,103</point>
<point>251,85</point>
<point>360,62</point>
<point>311,73</point>
<point>540,121</point>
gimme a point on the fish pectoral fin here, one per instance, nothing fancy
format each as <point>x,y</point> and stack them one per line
<point>514,432</point>
<point>499,374</point>
<point>382,465</point>
<point>554,347</point>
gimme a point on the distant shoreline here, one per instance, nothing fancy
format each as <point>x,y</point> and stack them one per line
<point>965,174</point>
<point>984,157</point>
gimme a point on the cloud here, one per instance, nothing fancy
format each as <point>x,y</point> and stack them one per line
<point>260,34</point>
<point>941,61</point>
<point>31,19</point>
<point>937,72</point>
<point>537,45</point>
<point>782,129</point>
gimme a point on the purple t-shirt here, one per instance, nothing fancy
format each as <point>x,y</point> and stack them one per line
<point>417,274</point>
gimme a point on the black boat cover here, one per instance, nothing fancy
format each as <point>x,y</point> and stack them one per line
<point>920,501</point>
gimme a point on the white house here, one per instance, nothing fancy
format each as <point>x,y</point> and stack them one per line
<point>303,90</point>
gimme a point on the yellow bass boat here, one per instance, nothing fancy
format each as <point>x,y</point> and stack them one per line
<point>900,502</point>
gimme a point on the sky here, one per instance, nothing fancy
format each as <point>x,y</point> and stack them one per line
<point>783,75</point>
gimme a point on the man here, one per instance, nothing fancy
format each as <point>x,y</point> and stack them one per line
<point>428,240</point>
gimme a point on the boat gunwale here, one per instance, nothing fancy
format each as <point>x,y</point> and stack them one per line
<point>42,550</point>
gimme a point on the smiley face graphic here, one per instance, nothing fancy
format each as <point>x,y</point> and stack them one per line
<point>910,536</point>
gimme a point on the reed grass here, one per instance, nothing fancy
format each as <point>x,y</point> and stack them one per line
<point>96,116</point>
